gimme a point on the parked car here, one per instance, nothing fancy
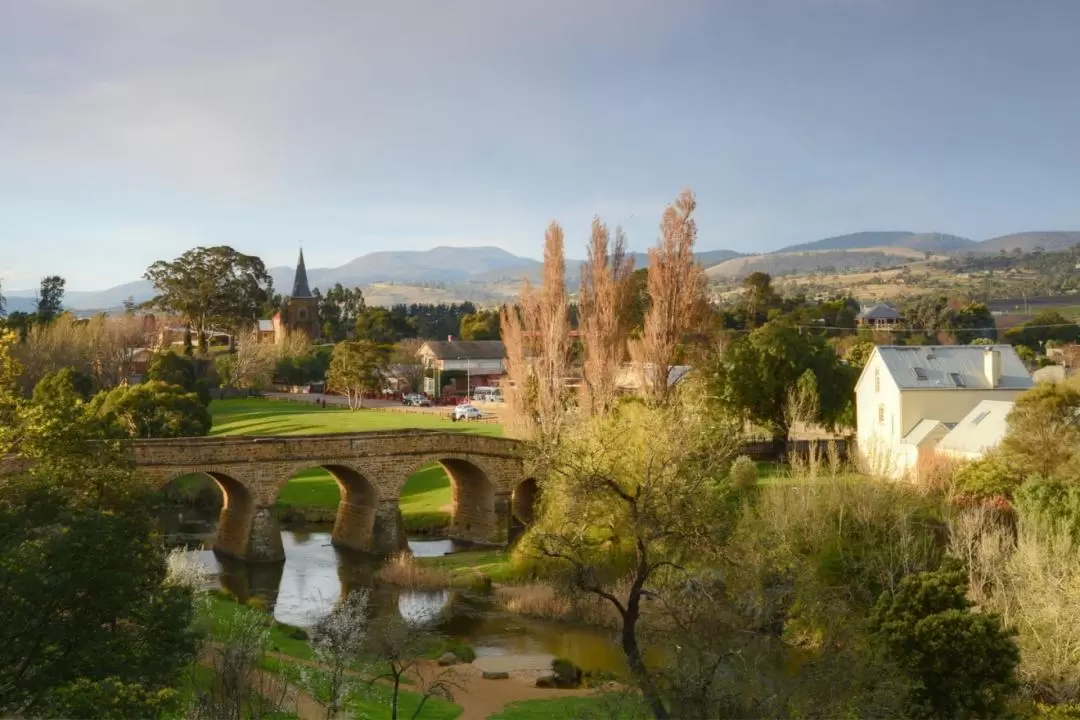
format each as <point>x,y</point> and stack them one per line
<point>467,412</point>
<point>415,400</point>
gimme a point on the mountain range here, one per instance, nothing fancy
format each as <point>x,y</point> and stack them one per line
<point>488,272</point>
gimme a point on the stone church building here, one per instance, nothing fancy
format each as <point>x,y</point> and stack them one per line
<point>300,311</point>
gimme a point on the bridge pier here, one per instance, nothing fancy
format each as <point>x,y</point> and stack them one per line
<point>388,535</point>
<point>249,534</point>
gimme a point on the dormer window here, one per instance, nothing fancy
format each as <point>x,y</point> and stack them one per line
<point>958,380</point>
<point>920,373</point>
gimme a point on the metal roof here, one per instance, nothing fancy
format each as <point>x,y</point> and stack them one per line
<point>952,367</point>
<point>981,429</point>
<point>880,311</point>
<point>466,349</point>
<point>922,430</point>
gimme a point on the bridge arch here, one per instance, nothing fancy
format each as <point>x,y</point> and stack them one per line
<point>357,508</point>
<point>244,530</point>
<point>475,500</point>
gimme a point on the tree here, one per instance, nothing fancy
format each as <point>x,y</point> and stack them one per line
<point>357,367</point>
<point>676,298</point>
<point>50,299</point>
<point>338,311</point>
<point>180,370</point>
<point>962,664</point>
<point>627,499</point>
<point>406,365</point>
<point>401,646</point>
<point>1044,428</point>
<point>89,624</point>
<point>3,303</point>
<point>481,325</point>
<point>376,325</point>
<point>63,386</point>
<point>153,409</point>
<point>758,298</point>
<point>753,377</point>
<point>251,366</point>
<point>212,287</point>
<point>536,335</point>
<point>637,303</point>
<point>1046,326</point>
<point>338,639</point>
<point>602,320</point>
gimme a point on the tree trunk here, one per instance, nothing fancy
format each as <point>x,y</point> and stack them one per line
<point>635,660</point>
<point>394,699</point>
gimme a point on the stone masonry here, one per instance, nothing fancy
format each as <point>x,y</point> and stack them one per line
<point>371,470</point>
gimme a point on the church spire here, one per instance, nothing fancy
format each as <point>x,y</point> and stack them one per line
<point>300,287</point>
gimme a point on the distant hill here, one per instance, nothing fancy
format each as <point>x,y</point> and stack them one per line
<point>1028,241</point>
<point>806,261</point>
<point>933,242</point>
<point>481,274</point>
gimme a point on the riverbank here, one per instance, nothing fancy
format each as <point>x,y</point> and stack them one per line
<point>290,658</point>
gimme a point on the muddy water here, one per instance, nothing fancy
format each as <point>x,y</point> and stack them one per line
<point>315,575</point>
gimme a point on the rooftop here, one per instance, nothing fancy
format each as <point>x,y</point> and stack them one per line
<point>952,367</point>
<point>981,429</point>
<point>466,349</point>
<point>880,311</point>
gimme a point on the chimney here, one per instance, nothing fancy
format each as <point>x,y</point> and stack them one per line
<point>992,366</point>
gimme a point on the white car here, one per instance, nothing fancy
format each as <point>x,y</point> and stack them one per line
<point>467,412</point>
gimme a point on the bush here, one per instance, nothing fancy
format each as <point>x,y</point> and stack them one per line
<point>988,477</point>
<point>567,674</point>
<point>291,631</point>
<point>464,653</point>
<point>1050,503</point>
<point>744,474</point>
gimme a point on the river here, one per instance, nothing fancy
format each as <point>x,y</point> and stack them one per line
<point>315,574</point>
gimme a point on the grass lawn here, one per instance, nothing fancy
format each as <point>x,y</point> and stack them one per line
<point>253,416</point>
<point>424,496</point>
<point>597,706</point>
<point>466,565</point>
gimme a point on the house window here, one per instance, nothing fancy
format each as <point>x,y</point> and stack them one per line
<point>881,414</point>
<point>301,314</point>
<point>877,379</point>
<point>920,373</point>
<point>958,379</point>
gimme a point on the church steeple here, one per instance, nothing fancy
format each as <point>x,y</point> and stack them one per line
<point>300,287</point>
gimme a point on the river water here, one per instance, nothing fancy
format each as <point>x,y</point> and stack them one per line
<point>316,574</point>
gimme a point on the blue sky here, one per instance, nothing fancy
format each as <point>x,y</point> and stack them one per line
<point>131,130</point>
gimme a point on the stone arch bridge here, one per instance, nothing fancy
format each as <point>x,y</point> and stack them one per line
<point>489,489</point>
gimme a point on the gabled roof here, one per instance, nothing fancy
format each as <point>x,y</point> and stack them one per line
<point>300,287</point>
<point>879,312</point>
<point>922,430</point>
<point>981,429</point>
<point>466,349</point>
<point>951,367</point>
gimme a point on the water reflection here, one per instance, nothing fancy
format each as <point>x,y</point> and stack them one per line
<point>315,575</point>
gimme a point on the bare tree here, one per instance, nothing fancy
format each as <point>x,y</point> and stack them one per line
<point>402,647</point>
<point>406,365</point>
<point>252,365</point>
<point>677,298</point>
<point>602,316</point>
<point>536,333</point>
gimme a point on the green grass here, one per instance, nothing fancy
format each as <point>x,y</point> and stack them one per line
<point>572,708</point>
<point>464,566</point>
<point>221,612</point>
<point>424,496</point>
<point>249,416</point>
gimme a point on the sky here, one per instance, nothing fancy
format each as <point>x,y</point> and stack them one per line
<point>132,130</point>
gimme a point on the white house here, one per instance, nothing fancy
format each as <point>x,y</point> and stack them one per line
<point>909,398</point>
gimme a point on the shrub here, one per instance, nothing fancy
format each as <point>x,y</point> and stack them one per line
<point>991,476</point>
<point>567,674</point>
<point>403,571</point>
<point>464,653</point>
<point>257,603</point>
<point>1050,503</point>
<point>744,474</point>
